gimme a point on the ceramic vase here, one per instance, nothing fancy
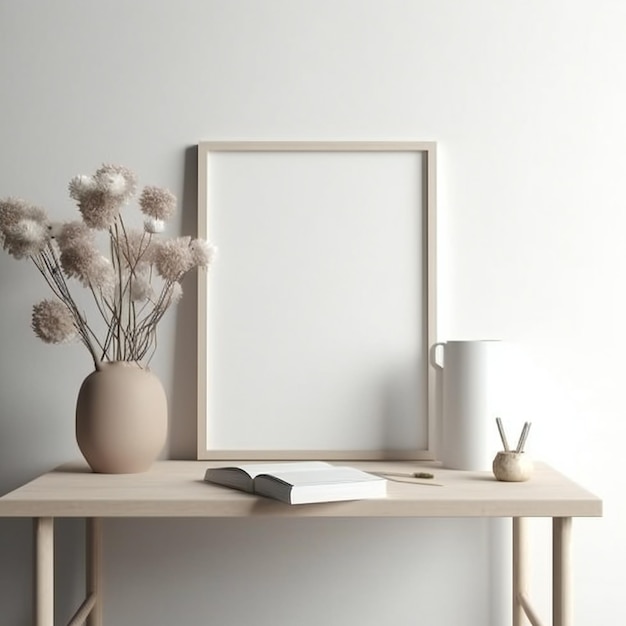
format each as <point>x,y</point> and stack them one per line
<point>121,418</point>
<point>512,467</point>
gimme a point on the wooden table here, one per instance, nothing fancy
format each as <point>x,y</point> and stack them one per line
<point>176,489</point>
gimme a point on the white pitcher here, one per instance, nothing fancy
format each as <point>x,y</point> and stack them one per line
<point>470,372</point>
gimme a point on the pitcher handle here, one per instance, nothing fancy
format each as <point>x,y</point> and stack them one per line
<point>433,354</point>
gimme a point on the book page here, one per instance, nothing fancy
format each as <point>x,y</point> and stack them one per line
<point>254,469</point>
<point>324,476</point>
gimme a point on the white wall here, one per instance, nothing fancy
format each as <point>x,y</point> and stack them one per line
<point>528,103</point>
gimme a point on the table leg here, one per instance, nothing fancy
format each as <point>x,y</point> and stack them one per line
<point>43,609</point>
<point>561,571</point>
<point>520,569</point>
<point>93,580</point>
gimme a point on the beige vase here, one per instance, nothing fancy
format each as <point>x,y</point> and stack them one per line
<point>121,418</point>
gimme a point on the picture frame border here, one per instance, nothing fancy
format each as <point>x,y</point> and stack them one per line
<point>429,274</point>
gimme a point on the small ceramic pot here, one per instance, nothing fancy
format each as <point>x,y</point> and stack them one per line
<point>513,467</point>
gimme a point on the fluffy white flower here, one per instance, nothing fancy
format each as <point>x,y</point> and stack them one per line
<point>116,181</point>
<point>113,183</point>
<point>101,196</point>
<point>53,322</point>
<point>26,238</point>
<point>72,234</point>
<point>81,186</point>
<point>173,258</point>
<point>153,225</point>
<point>203,252</point>
<point>23,228</point>
<point>157,202</point>
<point>32,231</point>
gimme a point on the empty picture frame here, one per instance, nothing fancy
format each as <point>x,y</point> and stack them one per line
<point>316,317</point>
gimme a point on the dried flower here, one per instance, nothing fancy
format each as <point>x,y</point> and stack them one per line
<point>26,238</point>
<point>74,234</point>
<point>174,258</point>
<point>12,210</point>
<point>81,186</point>
<point>53,322</point>
<point>203,252</point>
<point>23,228</point>
<point>101,196</point>
<point>153,225</point>
<point>157,202</point>
<point>99,210</point>
<point>116,181</point>
<point>123,286</point>
<point>75,260</point>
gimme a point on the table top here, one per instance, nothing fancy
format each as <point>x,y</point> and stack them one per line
<point>177,489</point>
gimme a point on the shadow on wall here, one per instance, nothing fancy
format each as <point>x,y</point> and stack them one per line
<point>183,395</point>
<point>16,575</point>
<point>15,543</point>
<point>328,571</point>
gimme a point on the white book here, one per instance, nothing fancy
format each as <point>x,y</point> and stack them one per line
<point>300,482</point>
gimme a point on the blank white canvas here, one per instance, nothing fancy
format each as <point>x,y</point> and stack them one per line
<point>316,306</point>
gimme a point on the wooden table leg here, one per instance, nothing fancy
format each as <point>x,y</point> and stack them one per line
<point>561,571</point>
<point>93,582</point>
<point>520,570</point>
<point>43,605</point>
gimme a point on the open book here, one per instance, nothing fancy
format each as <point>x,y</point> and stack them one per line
<point>300,482</point>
